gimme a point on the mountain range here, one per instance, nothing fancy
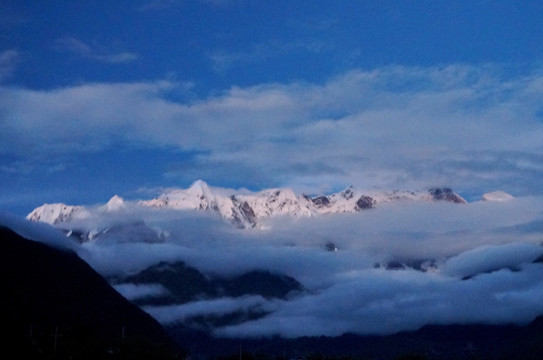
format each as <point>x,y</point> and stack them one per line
<point>246,209</point>
<point>192,302</point>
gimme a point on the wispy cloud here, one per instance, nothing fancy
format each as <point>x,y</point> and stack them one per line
<point>8,63</point>
<point>84,50</point>
<point>223,306</point>
<point>158,5</point>
<point>220,2</point>
<point>152,5</point>
<point>134,292</point>
<point>227,60</point>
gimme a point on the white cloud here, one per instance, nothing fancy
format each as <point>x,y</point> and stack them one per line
<point>223,306</point>
<point>384,302</point>
<point>39,232</point>
<point>134,292</point>
<point>492,243</point>
<point>83,118</point>
<point>227,60</point>
<point>491,258</point>
<point>390,127</point>
<point>82,49</point>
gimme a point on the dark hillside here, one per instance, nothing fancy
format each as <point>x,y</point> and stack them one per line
<point>451,342</point>
<point>54,305</point>
<point>185,284</point>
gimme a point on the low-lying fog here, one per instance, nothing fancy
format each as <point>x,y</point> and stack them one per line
<point>475,263</point>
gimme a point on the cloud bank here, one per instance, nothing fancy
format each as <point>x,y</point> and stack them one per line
<point>464,263</point>
<point>39,232</point>
<point>390,127</point>
<point>385,302</point>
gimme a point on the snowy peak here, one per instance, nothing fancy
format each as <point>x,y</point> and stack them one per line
<point>197,197</point>
<point>246,210</point>
<point>446,194</point>
<point>116,203</point>
<point>199,187</point>
<point>57,213</point>
<point>351,199</point>
<point>348,193</point>
<point>276,202</point>
<point>348,200</point>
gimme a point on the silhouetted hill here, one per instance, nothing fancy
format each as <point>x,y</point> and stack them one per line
<point>435,342</point>
<point>185,284</point>
<point>54,305</point>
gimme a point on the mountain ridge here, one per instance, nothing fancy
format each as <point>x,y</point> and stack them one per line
<point>244,209</point>
<point>56,306</point>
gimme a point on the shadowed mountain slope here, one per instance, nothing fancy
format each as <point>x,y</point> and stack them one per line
<point>185,284</point>
<point>56,306</point>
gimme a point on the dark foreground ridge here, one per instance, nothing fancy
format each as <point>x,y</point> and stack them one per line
<point>55,306</point>
<point>435,342</point>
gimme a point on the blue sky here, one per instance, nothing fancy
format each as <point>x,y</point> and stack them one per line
<point>126,97</point>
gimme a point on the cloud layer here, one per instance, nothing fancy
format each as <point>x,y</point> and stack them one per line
<point>466,263</point>
<point>462,126</point>
<point>384,302</point>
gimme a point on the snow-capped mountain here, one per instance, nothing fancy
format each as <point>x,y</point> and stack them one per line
<point>116,203</point>
<point>57,213</point>
<point>241,209</point>
<point>246,209</point>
